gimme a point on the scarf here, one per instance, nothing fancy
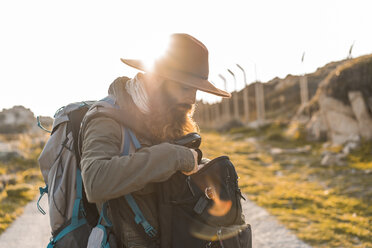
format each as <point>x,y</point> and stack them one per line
<point>137,91</point>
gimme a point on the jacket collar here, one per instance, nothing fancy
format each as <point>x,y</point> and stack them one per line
<point>129,108</point>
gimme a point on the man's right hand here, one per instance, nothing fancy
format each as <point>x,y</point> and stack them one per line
<point>196,166</point>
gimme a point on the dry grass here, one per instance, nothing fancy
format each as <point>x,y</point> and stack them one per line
<point>24,185</point>
<point>309,199</point>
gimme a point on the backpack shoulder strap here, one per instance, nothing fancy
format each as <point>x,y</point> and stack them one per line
<point>103,108</point>
<point>138,216</point>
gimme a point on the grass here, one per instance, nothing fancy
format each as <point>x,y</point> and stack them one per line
<point>314,201</point>
<point>361,158</point>
<point>23,187</point>
<point>14,197</point>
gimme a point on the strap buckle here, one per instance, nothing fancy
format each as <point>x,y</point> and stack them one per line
<point>42,192</point>
<point>149,229</point>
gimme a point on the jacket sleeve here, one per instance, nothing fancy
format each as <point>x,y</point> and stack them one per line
<point>106,175</point>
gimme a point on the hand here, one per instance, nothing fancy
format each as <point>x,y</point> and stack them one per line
<point>196,166</point>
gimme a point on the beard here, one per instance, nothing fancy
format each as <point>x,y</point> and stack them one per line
<point>169,120</point>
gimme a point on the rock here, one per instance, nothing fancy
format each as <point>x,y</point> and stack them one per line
<point>334,121</point>
<point>230,125</point>
<point>333,159</point>
<point>303,149</point>
<point>317,128</point>
<point>258,124</point>
<point>349,147</point>
<point>252,140</point>
<point>8,179</point>
<point>361,113</point>
<point>342,128</point>
<point>276,151</point>
<point>327,103</point>
<point>278,173</point>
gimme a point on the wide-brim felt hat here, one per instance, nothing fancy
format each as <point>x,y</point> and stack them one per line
<point>185,61</point>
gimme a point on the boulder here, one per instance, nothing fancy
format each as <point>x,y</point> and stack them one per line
<point>342,128</point>
<point>361,113</point>
<point>341,109</point>
<point>316,128</point>
<point>339,119</point>
<point>327,103</point>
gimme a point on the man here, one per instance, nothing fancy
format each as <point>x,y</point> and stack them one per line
<point>158,106</point>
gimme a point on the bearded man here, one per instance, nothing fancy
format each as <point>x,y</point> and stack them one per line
<point>158,106</point>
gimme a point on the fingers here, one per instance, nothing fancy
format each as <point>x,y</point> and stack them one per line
<point>196,166</point>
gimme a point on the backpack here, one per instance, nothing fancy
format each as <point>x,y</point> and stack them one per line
<point>203,209</point>
<point>186,205</point>
<point>71,216</point>
<point>190,206</point>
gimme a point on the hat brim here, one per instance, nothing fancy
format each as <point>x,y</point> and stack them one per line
<point>179,76</point>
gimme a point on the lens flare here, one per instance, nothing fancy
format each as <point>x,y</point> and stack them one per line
<point>220,207</point>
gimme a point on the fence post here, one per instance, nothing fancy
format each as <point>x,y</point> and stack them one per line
<point>217,114</point>
<point>235,97</point>
<point>260,101</point>
<point>257,96</point>
<point>225,101</point>
<point>262,96</point>
<point>304,91</point>
<point>245,96</point>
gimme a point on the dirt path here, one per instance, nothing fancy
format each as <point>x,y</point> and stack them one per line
<point>31,230</point>
<point>267,232</point>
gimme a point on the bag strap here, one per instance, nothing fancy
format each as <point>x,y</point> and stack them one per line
<point>78,208</point>
<point>42,192</point>
<point>138,216</point>
<point>103,215</point>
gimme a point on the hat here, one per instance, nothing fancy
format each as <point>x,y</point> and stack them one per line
<point>186,62</point>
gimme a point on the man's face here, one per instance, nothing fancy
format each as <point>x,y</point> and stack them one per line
<point>171,108</point>
<point>181,94</point>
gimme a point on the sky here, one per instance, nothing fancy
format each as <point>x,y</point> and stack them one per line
<point>56,52</point>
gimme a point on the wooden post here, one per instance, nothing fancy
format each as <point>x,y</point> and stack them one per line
<point>262,105</point>
<point>208,115</point>
<point>245,96</point>
<point>258,101</point>
<point>225,102</point>
<point>235,97</point>
<point>246,105</point>
<point>304,91</point>
<point>217,114</point>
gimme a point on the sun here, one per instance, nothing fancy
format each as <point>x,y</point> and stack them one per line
<point>154,51</point>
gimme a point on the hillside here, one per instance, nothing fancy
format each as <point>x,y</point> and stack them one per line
<point>339,92</point>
